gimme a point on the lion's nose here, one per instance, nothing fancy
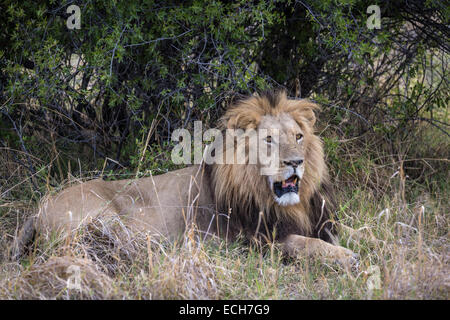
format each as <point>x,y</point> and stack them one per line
<point>293,163</point>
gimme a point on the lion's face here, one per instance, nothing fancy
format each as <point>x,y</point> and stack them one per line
<point>288,180</point>
<point>285,134</point>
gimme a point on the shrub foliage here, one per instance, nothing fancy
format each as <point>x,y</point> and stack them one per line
<point>136,70</point>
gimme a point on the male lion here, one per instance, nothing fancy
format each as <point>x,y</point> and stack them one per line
<point>289,206</point>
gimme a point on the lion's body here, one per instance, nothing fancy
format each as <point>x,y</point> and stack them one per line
<point>287,205</point>
<point>162,205</point>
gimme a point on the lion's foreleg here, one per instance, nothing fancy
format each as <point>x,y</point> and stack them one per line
<point>299,246</point>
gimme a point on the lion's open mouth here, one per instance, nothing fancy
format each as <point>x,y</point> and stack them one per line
<point>282,187</point>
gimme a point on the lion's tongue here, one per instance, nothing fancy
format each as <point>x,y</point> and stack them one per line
<point>288,183</point>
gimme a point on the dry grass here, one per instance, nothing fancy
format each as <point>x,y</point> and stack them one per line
<point>409,259</point>
<point>411,256</point>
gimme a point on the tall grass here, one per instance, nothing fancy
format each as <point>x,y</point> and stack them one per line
<point>402,219</point>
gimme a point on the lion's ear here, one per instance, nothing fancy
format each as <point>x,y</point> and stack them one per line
<point>303,110</point>
<point>310,116</point>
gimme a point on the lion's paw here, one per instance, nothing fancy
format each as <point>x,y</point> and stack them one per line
<point>347,258</point>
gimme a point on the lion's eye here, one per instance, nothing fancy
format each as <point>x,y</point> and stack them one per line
<point>299,137</point>
<point>268,139</point>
